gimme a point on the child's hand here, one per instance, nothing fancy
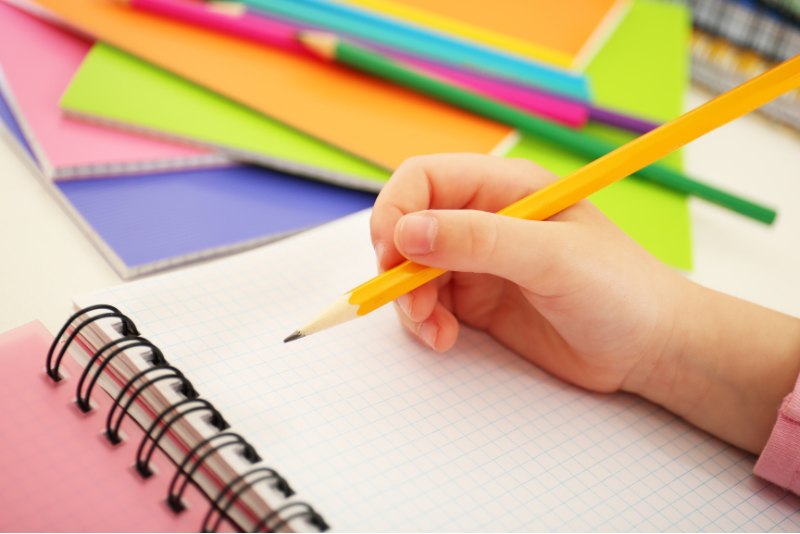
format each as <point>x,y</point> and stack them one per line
<point>575,295</point>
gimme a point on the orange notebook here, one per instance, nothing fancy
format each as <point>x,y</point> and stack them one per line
<point>371,118</point>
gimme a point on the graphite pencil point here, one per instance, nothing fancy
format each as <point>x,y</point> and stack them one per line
<point>297,334</point>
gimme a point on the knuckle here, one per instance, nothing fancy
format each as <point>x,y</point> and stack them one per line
<point>412,164</point>
<point>484,236</point>
<point>525,165</point>
<point>533,173</point>
<point>527,169</point>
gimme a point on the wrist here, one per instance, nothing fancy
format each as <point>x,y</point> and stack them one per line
<point>670,374</point>
<point>726,368</point>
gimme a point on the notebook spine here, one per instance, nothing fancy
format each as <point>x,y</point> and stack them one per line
<point>160,370</point>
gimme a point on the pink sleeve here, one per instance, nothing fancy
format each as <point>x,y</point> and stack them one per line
<point>779,462</point>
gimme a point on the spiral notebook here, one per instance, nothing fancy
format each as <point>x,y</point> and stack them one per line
<point>378,433</point>
<point>58,476</point>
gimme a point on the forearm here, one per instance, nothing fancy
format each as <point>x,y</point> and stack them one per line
<point>727,367</point>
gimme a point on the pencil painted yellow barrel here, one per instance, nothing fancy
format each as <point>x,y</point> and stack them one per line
<point>614,166</point>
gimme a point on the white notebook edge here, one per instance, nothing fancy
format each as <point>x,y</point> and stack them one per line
<point>239,155</point>
<point>601,34</point>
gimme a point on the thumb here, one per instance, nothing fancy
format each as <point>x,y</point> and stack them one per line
<point>518,250</point>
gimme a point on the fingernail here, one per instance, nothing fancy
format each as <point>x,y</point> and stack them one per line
<point>380,250</point>
<point>428,331</point>
<point>418,233</point>
<point>406,302</point>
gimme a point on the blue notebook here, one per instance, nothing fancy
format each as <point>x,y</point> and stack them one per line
<point>143,224</point>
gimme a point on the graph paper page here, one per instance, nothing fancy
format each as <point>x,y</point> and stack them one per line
<point>379,433</point>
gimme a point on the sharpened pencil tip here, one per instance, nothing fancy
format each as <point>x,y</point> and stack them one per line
<point>297,334</point>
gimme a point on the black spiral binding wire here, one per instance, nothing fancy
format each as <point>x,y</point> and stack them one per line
<point>280,484</point>
<point>143,462</point>
<point>125,344</point>
<point>249,453</point>
<point>274,520</point>
<point>186,389</point>
<point>306,510</point>
<point>128,330</point>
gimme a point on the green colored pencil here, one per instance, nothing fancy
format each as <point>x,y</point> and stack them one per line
<point>331,48</point>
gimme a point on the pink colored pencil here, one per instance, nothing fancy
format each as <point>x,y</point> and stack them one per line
<point>232,19</point>
<point>567,112</point>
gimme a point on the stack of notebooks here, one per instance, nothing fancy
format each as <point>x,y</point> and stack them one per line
<point>146,204</point>
<point>171,140</point>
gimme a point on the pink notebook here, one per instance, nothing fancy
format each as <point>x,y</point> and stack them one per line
<point>37,62</point>
<point>57,473</point>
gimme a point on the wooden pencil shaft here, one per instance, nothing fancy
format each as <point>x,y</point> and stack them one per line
<point>602,172</point>
<point>579,142</point>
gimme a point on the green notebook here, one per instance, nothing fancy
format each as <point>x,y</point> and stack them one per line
<point>641,69</point>
<point>120,90</point>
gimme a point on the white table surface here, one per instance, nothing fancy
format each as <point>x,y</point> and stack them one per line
<point>46,259</point>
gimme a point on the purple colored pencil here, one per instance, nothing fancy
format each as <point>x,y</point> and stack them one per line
<point>620,120</point>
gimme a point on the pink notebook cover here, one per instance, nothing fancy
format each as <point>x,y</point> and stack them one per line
<point>57,473</point>
<point>38,61</point>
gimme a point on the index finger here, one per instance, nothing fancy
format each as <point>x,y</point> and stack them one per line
<point>449,181</point>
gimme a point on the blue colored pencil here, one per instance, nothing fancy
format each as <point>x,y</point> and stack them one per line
<point>425,44</point>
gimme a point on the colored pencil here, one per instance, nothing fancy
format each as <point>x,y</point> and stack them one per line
<point>559,195</point>
<point>564,110</point>
<point>432,46</point>
<point>331,47</point>
<point>228,17</point>
<point>621,120</point>
<point>568,112</point>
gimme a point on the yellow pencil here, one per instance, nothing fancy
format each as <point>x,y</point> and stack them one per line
<point>559,195</point>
